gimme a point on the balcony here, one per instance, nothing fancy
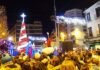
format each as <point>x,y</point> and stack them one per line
<point>89,38</point>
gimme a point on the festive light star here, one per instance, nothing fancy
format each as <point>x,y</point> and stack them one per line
<point>23,16</point>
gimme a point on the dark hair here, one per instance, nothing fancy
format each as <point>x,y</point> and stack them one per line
<point>84,67</point>
<point>39,66</point>
<point>26,66</point>
<point>98,52</point>
<point>90,55</point>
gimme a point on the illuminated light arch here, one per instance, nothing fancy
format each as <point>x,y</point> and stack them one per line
<point>69,20</point>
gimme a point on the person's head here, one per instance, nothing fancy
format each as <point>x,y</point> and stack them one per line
<point>68,65</point>
<point>23,54</point>
<point>84,67</point>
<point>20,62</point>
<point>89,55</point>
<point>37,56</point>
<point>43,56</point>
<point>98,52</point>
<point>14,60</point>
<point>28,58</point>
<point>39,66</point>
<point>26,66</point>
<point>95,61</point>
<point>45,61</point>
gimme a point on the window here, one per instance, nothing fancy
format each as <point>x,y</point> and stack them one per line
<point>38,43</point>
<point>99,28</point>
<point>88,17</point>
<point>18,27</point>
<point>37,27</point>
<point>90,31</point>
<point>17,31</point>
<point>84,28</point>
<point>30,31</point>
<point>98,12</point>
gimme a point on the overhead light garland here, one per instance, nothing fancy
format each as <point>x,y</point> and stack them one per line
<point>69,20</point>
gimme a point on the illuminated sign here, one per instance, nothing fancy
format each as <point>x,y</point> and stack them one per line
<point>37,38</point>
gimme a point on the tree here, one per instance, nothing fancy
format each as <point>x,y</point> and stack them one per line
<point>3,23</point>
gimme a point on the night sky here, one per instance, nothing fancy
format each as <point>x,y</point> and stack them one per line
<point>40,10</point>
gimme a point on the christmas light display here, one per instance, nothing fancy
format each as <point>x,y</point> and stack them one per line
<point>23,40</point>
<point>69,20</point>
<point>6,45</point>
<point>37,38</point>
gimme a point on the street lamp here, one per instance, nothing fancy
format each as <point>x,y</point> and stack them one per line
<point>56,26</point>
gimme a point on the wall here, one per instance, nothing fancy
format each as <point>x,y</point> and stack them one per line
<point>94,19</point>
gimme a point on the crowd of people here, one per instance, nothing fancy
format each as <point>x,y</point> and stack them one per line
<point>71,60</point>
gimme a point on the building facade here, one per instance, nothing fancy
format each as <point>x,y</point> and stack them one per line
<point>73,25</point>
<point>33,30</point>
<point>73,13</point>
<point>92,15</point>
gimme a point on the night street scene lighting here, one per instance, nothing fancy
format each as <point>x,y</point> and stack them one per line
<point>50,35</point>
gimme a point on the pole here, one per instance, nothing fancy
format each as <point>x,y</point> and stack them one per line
<point>56,26</point>
<point>69,31</point>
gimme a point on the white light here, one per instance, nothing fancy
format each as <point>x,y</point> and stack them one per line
<point>23,15</point>
<point>69,20</point>
<point>37,38</point>
<point>33,46</point>
<point>10,38</point>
